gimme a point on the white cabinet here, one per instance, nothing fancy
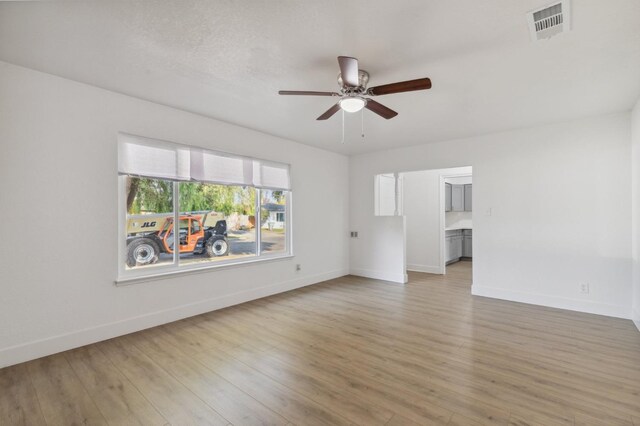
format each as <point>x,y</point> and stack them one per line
<point>453,246</point>
<point>457,244</point>
<point>467,197</point>
<point>457,198</point>
<point>448,245</point>
<point>467,243</point>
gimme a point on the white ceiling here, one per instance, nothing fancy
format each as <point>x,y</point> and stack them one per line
<point>227,60</point>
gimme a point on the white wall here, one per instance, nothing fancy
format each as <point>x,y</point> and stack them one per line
<point>635,159</point>
<point>561,210</point>
<point>58,184</point>
<point>385,247</point>
<point>424,208</point>
<point>386,197</point>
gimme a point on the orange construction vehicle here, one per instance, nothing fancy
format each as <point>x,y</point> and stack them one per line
<point>144,248</point>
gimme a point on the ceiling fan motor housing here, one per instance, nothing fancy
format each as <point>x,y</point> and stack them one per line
<point>363,80</point>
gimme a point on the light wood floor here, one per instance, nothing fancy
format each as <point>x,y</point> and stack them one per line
<point>348,351</point>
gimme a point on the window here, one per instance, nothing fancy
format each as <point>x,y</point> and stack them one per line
<point>149,206</point>
<point>229,209</point>
<point>272,213</point>
<point>235,205</point>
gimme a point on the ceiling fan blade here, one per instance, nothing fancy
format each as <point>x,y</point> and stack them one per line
<point>306,93</point>
<point>330,112</point>
<point>380,109</point>
<point>403,86</point>
<point>349,70</point>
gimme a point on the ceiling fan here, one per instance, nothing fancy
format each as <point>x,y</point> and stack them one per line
<point>353,90</point>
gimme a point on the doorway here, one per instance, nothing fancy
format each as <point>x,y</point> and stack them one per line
<point>438,209</point>
<point>458,218</point>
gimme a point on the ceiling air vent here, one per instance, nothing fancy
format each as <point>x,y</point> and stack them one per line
<point>549,20</point>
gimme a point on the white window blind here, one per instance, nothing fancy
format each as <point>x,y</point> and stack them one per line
<point>271,175</point>
<point>214,167</point>
<point>153,158</point>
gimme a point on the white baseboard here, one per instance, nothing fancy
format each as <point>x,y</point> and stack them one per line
<point>553,301</point>
<point>51,345</point>
<point>430,269</point>
<point>636,318</point>
<point>380,275</point>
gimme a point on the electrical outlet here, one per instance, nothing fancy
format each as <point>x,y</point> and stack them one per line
<point>354,234</point>
<point>298,267</point>
<point>584,288</point>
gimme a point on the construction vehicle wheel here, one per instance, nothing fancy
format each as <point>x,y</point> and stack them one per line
<point>142,252</point>
<point>216,247</point>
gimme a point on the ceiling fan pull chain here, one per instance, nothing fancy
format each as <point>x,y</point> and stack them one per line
<point>362,122</point>
<point>342,126</point>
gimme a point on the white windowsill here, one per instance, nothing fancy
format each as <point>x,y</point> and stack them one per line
<point>124,281</point>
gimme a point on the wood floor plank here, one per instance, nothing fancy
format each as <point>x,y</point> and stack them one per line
<point>399,420</point>
<point>116,397</point>
<point>376,363</point>
<point>18,401</point>
<point>596,400</point>
<point>175,402</point>
<point>63,399</point>
<point>232,403</point>
<point>460,420</point>
<point>595,418</point>
<point>368,390</point>
<point>337,371</point>
<point>349,351</point>
<point>290,404</point>
<point>325,392</point>
<point>445,372</point>
<point>531,418</point>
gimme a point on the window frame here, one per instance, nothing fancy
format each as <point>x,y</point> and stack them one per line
<point>130,276</point>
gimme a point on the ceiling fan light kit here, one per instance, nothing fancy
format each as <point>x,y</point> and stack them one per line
<point>353,90</point>
<point>352,103</point>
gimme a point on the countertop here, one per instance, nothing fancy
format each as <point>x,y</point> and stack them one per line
<point>458,228</point>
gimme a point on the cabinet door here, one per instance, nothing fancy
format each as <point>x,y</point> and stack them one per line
<point>447,249</point>
<point>457,198</point>
<point>467,249</point>
<point>467,197</point>
<point>447,197</point>
<point>458,246</point>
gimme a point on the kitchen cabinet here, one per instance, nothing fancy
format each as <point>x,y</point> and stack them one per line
<point>457,198</point>
<point>467,243</point>
<point>467,197</point>
<point>453,246</point>
<point>458,244</point>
